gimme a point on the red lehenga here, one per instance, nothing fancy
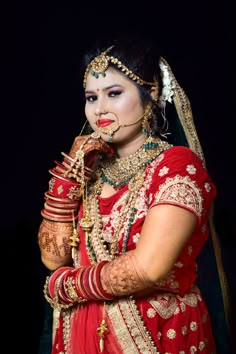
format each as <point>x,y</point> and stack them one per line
<point>174,318</point>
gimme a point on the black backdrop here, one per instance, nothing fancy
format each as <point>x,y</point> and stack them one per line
<point>45,113</point>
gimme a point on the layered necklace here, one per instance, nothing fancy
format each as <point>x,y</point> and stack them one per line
<point>118,172</point>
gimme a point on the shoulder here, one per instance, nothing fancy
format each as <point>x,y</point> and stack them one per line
<point>179,177</point>
<point>178,165</point>
<point>182,152</point>
<point>181,157</point>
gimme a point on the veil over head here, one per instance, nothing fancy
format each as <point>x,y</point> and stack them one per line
<point>210,265</point>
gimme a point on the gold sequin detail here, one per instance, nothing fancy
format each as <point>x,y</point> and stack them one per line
<point>181,191</point>
<point>201,346</point>
<point>193,326</point>
<point>171,333</point>
<point>151,313</point>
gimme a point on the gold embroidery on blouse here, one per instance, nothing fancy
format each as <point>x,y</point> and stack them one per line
<point>182,191</point>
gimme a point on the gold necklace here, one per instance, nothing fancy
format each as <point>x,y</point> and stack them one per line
<point>96,246</point>
<point>119,171</point>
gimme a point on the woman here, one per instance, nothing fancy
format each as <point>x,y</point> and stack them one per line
<point>126,215</point>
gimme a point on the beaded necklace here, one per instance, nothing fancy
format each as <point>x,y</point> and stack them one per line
<point>119,171</point>
<point>97,248</point>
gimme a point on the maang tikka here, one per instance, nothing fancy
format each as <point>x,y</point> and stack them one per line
<point>100,64</point>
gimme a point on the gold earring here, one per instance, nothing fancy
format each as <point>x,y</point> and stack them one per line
<point>146,128</point>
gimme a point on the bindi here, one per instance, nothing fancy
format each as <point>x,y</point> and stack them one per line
<point>97,90</point>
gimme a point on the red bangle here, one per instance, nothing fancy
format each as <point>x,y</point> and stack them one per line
<point>57,210</point>
<point>63,290</point>
<point>53,278</point>
<point>97,279</point>
<point>64,188</point>
<point>58,217</point>
<point>84,283</point>
<point>48,196</point>
<point>71,293</point>
<point>61,205</point>
<point>78,282</point>
<point>90,284</point>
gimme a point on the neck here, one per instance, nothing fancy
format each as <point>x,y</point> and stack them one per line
<point>130,147</point>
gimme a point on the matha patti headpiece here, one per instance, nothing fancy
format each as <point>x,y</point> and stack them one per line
<point>100,64</point>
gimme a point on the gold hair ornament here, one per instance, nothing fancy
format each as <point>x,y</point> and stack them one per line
<point>100,64</point>
<point>172,91</point>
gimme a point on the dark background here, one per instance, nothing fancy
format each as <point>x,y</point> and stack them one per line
<point>45,113</point>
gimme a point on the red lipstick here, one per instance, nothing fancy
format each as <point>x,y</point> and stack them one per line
<point>104,122</point>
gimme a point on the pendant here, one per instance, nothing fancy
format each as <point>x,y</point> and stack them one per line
<point>102,330</point>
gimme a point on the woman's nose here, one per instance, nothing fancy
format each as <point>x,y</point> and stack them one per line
<point>99,111</point>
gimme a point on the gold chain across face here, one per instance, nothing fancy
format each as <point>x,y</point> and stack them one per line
<point>100,64</point>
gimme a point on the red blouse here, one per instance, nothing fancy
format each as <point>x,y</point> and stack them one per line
<point>174,319</point>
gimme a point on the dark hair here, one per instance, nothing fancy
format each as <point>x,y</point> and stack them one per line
<point>139,54</point>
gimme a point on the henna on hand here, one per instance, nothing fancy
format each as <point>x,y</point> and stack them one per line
<point>124,276</point>
<point>53,240</point>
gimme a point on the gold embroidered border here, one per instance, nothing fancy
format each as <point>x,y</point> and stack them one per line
<point>181,191</point>
<point>166,304</point>
<point>129,328</point>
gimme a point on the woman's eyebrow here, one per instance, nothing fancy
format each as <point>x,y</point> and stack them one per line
<point>104,89</point>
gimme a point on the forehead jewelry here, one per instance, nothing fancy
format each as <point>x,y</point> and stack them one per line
<point>100,64</point>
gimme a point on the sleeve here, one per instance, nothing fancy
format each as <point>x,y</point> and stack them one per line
<point>181,179</point>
